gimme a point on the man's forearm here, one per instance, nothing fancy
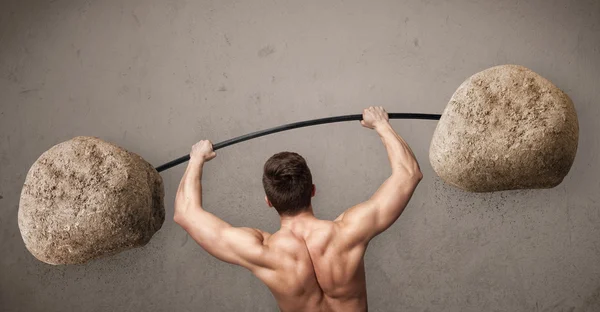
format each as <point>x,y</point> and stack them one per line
<point>402,159</point>
<point>189,193</point>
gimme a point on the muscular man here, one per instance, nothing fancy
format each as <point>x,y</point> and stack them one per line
<point>309,264</point>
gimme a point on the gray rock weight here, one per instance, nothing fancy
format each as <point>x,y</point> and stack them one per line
<point>505,128</point>
<point>86,198</point>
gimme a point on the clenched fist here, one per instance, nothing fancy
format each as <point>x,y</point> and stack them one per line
<point>202,151</point>
<point>374,116</point>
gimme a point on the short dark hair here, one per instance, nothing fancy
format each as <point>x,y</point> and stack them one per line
<point>288,183</point>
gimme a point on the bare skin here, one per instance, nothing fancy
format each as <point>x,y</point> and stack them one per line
<point>309,264</point>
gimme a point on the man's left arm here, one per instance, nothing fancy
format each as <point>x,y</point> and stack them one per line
<point>241,246</point>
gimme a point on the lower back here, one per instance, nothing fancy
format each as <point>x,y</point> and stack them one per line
<point>301,304</point>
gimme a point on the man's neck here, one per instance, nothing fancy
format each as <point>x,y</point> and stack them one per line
<point>298,221</point>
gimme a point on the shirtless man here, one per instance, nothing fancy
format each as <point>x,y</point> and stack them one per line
<point>309,264</point>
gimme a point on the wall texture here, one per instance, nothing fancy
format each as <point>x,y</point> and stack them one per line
<point>156,76</point>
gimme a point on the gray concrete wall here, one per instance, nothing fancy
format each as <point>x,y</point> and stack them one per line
<point>156,76</point>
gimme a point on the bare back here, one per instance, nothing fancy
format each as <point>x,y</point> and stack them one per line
<point>315,270</point>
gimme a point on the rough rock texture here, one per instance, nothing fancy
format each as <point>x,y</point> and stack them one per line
<point>86,198</point>
<point>505,128</point>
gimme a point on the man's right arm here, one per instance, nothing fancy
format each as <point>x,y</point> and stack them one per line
<point>366,220</point>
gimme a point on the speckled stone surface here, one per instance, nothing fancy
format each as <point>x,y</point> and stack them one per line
<point>86,198</point>
<point>505,128</point>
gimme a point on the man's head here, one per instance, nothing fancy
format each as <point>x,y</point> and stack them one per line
<point>288,183</point>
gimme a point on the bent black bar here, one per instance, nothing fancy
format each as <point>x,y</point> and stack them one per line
<point>295,125</point>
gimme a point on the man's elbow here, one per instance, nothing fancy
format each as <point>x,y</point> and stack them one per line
<point>179,218</point>
<point>178,209</point>
<point>413,175</point>
<point>180,215</point>
<point>185,213</point>
<point>417,176</point>
<point>182,208</point>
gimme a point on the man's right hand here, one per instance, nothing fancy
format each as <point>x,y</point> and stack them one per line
<point>374,117</point>
<point>202,151</point>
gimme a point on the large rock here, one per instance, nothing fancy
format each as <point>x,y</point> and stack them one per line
<point>86,198</point>
<point>505,128</point>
